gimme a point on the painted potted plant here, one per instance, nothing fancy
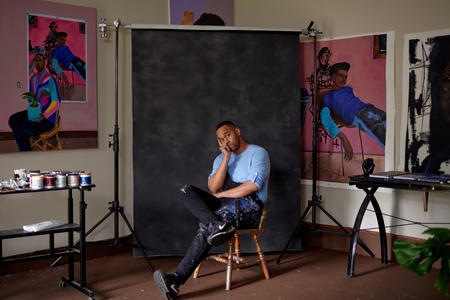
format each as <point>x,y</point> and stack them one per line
<point>34,108</point>
<point>419,257</point>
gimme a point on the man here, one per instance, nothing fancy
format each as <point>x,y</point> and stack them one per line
<point>323,71</point>
<point>63,56</point>
<point>43,85</point>
<point>238,188</point>
<point>348,110</point>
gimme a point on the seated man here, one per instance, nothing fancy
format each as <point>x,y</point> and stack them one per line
<point>62,55</point>
<point>238,188</point>
<point>341,103</point>
<point>44,86</point>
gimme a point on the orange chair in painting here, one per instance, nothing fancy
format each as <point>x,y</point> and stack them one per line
<point>42,141</point>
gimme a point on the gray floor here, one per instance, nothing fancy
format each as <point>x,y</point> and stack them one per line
<point>312,274</point>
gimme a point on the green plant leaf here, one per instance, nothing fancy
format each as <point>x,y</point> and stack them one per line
<point>419,258</point>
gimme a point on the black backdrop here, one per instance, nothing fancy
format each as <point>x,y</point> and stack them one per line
<point>184,83</point>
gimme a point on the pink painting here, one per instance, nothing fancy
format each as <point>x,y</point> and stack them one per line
<point>50,94</point>
<point>351,80</point>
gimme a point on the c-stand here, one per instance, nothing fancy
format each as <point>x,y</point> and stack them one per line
<point>115,207</point>
<point>316,200</point>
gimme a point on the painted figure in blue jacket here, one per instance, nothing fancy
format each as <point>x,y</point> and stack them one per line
<point>341,106</point>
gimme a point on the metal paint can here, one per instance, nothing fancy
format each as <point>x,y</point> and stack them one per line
<point>50,181</point>
<point>73,180</point>
<point>85,179</point>
<point>37,182</point>
<point>61,181</point>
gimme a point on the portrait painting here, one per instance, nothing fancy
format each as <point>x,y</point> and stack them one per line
<point>201,12</point>
<point>54,110</point>
<point>354,105</point>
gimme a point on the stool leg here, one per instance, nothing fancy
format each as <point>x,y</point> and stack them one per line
<point>261,257</point>
<point>237,248</point>
<point>229,264</point>
<point>197,270</point>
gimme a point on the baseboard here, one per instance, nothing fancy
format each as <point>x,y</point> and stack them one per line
<point>93,250</point>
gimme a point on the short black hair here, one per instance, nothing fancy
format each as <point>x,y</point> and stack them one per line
<point>223,123</point>
<point>210,19</point>
<point>62,33</point>
<point>339,66</point>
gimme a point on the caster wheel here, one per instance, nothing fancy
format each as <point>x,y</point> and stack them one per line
<point>91,298</point>
<point>62,283</point>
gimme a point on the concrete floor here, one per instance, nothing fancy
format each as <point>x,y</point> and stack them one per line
<point>313,274</point>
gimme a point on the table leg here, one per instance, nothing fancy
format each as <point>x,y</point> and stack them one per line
<point>354,239</point>
<point>381,228</point>
<point>82,239</point>
<point>70,234</point>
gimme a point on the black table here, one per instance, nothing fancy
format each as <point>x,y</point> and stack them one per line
<point>70,227</point>
<point>370,186</point>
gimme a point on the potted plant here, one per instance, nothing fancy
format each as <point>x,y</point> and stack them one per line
<point>419,257</point>
<point>34,108</point>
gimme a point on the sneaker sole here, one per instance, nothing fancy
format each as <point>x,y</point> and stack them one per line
<point>163,288</point>
<point>221,237</point>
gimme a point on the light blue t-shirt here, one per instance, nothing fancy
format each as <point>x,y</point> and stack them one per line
<point>253,164</point>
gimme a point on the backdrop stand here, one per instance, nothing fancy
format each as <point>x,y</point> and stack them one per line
<point>316,200</point>
<point>115,207</point>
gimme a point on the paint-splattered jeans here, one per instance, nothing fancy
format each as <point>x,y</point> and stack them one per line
<point>240,212</point>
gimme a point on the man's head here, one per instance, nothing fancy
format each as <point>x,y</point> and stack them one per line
<point>40,62</point>
<point>324,56</point>
<point>210,19</point>
<point>53,26</point>
<point>61,38</point>
<point>228,134</point>
<point>339,73</point>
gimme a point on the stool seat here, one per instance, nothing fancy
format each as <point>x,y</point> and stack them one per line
<point>236,261</point>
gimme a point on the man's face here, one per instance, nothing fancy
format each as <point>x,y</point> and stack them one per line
<point>228,136</point>
<point>339,79</point>
<point>40,63</point>
<point>61,40</point>
<point>324,59</point>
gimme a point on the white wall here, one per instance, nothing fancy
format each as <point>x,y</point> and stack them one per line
<point>334,18</point>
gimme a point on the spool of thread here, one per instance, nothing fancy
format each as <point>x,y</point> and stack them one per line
<point>61,181</point>
<point>37,182</point>
<point>73,180</point>
<point>85,179</point>
<point>50,181</point>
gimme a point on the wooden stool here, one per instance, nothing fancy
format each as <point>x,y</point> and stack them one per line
<point>236,261</point>
<point>42,141</point>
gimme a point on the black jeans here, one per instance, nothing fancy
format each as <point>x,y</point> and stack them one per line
<point>23,129</point>
<point>239,212</point>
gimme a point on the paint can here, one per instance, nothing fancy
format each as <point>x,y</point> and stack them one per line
<point>85,179</point>
<point>50,181</point>
<point>37,182</point>
<point>73,179</point>
<point>61,181</point>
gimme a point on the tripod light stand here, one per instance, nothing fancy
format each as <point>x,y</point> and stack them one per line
<point>115,209</point>
<point>315,202</point>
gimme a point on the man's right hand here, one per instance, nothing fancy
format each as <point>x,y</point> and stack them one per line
<point>225,150</point>
<point>347,146</point>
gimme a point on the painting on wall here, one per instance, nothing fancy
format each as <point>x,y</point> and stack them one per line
<point>54,106</point>
<point>426,93</point>
<point>201,12</point>
<point>63,44</point>
<point>355,105</point>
